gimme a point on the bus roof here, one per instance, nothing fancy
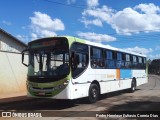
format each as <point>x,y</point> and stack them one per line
<point>72,39</point>
<point>104,46</point>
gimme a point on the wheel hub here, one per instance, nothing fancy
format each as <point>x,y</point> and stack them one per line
<point>94,93</point>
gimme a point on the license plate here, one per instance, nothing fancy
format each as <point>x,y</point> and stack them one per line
<point>41,93</point>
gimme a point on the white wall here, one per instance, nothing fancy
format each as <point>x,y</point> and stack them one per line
<point>13,74</point>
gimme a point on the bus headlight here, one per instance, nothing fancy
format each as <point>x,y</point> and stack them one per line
<point>66,83</point>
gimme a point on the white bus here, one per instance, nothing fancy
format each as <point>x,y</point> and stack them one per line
<point>70,68</point>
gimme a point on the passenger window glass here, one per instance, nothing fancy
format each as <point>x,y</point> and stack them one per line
<point>97,60</point>
<point>134,59</point>
<point>141,64</point>
<point>109,61</point>
<point>144,60</point>
<point>128,61</point>
<point>97,53</point>
<point>82,58</point>
<point>144,63</point>
<point>109,54</point>
<point>135,62</point>
<point>127,57</point>
<point>139,60</point>
<point>119,56</point>
<point>119,62</point>
<point>79,59</point>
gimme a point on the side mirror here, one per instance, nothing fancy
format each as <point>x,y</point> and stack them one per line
<point>23,55</point>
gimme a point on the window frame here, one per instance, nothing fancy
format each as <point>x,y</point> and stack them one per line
<point>87,59</point>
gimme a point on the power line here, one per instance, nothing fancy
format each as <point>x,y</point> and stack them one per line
<point>83,6</point>
<point>69,5</point>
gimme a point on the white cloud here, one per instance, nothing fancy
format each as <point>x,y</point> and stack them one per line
<point>103,14</point>
<point>43,25</point>
<point>139,50</point>
<point>71,1</point>
<point>96,22</point>
<point>131,20</point>
<point>157,47</point>
<point>149,52</point>
<point>156,56</point>
<point>24,38</point>
<point>94,37</point>
<point>148,8</point>
<point>92,3</point>
<point>143,17</point>
<point>34,36</point>
<point>6,22</point>
<point>44,21</point>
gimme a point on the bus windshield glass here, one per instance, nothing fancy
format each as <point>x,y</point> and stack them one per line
<point>48,57</point>
<point>48,62</point>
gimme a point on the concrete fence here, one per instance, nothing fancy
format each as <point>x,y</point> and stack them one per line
<point>13,75</point>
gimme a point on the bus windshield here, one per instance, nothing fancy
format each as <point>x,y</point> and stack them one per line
<point>48,62</point>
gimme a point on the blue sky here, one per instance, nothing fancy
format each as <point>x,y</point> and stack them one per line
<point>133,25</point>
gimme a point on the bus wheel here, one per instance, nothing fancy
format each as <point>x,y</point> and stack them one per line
<point>133,86</point>
<point>93,93</point>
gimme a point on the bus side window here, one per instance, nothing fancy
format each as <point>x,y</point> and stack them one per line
<point>97,58</point>
<point>134,62</point>
<point>79,59</point>
<point>119,62</point>
<point>144,60</point>
<point>140,64</point>
<point>128,61</point>
<point>109,61</point>
<point>123,59</point>
<point>144,63</point>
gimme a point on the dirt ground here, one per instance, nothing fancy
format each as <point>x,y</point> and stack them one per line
<point>143,102</point>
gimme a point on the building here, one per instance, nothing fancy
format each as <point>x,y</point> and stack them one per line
<point>12,72</point>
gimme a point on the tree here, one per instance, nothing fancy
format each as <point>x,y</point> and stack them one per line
<point>154,67</point>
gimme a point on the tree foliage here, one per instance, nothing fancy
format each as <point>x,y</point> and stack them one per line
<point>154,67</point>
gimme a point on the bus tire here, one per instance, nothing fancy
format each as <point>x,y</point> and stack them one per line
<point>93,93</point>
<point>133,86</point>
